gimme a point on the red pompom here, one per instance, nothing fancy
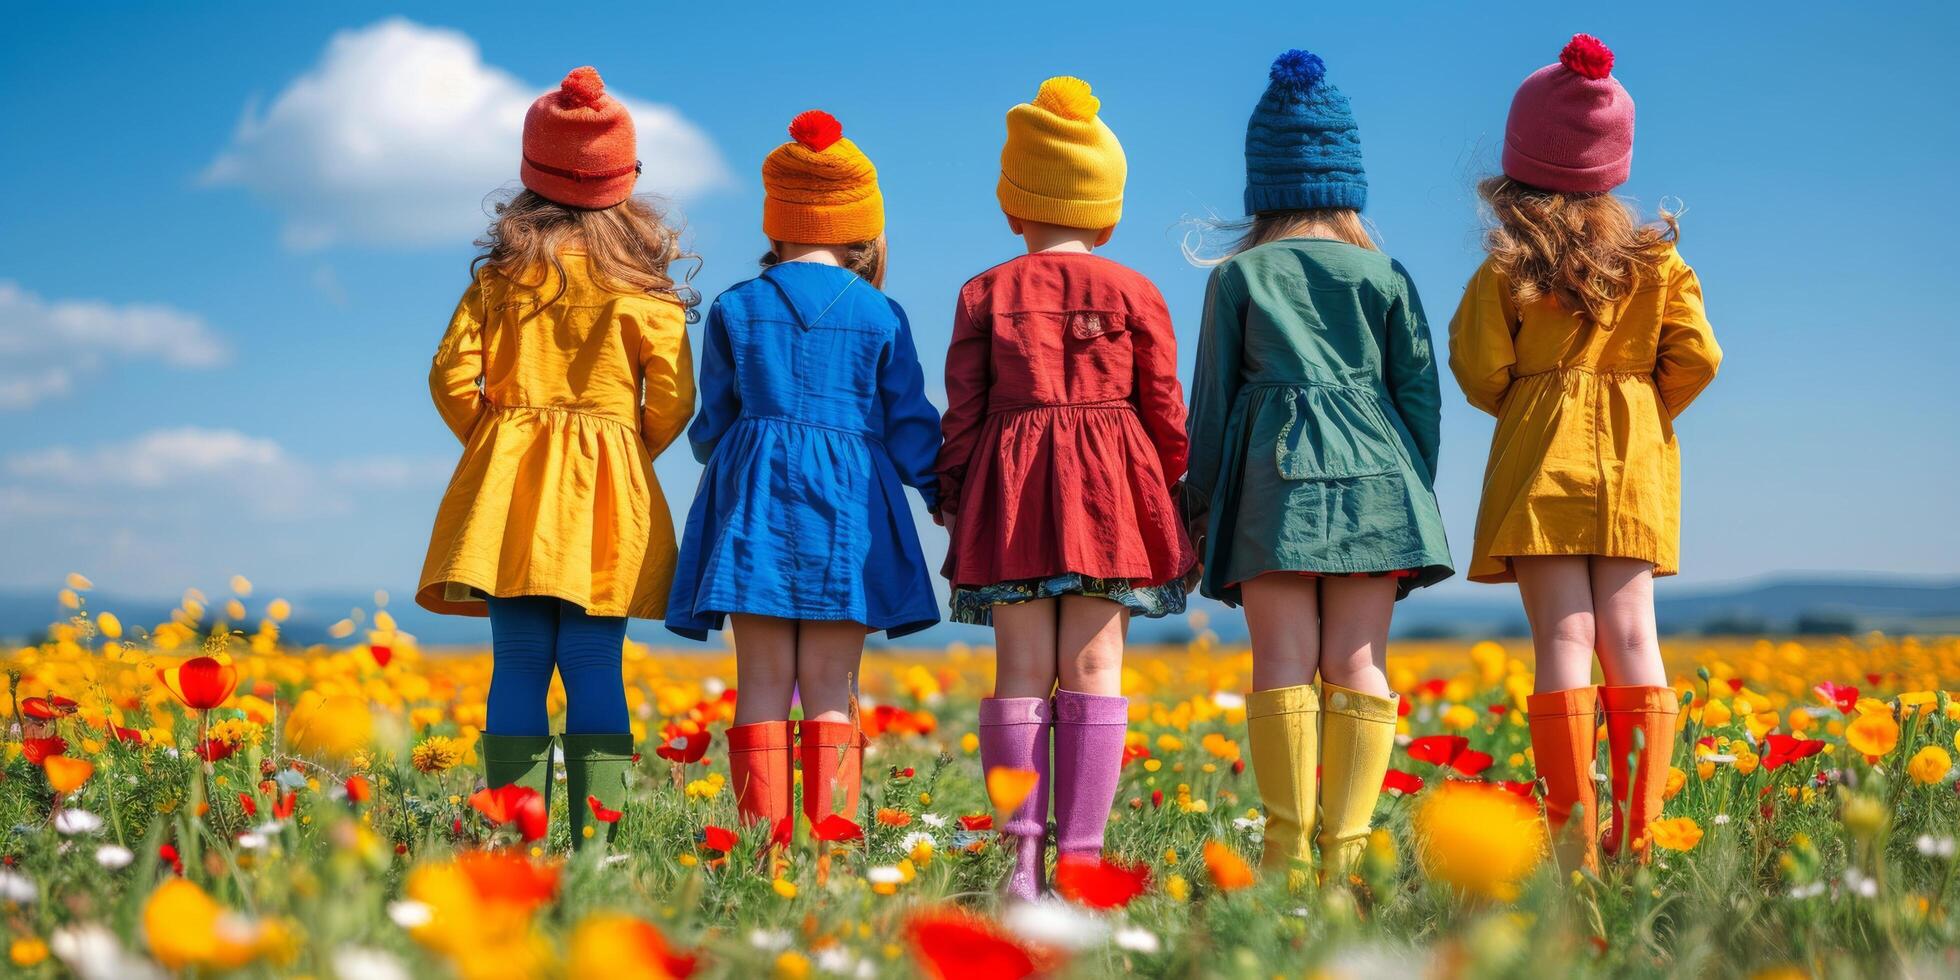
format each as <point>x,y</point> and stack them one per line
<point>581,88</point>
<point>1587,55</point>
<point>816,129</point>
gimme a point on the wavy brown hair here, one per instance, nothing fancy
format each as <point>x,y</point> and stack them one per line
<point>866,258</point>
<point>630,246</point>
<point>1583,250</point>
<point>1245,234</point>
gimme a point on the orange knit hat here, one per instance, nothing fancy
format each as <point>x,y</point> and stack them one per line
<point>579,147</point>
<point>820,189</point>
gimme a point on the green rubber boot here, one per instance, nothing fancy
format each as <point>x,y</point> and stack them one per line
<point>596,767</point>
<point>521,759</point>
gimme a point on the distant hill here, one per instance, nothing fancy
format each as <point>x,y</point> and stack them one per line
<point>1778,604</point>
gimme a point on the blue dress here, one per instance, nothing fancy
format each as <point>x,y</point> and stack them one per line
<point>813,421</point>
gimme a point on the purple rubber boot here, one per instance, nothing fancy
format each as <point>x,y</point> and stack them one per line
<point>1014,735</point>
<point>1089,731</point>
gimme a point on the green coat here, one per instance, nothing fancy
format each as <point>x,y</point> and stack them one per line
<point>1314,418</point>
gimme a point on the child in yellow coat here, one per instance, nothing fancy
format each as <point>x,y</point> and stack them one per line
<point>564,372</point>
<point>1584,333</point>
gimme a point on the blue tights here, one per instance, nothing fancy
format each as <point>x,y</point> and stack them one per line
<point>529,636</point>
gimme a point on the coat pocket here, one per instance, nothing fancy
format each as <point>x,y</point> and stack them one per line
<point>1334,433</point>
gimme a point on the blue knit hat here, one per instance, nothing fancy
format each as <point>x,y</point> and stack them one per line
<point>1302,149</point>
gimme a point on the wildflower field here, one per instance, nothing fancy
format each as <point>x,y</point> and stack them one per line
<point>193,796</point>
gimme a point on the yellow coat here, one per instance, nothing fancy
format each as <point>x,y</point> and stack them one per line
<point>555,494</point>
<point>1584,460</point>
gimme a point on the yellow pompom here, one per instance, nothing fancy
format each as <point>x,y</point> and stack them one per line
<point>1068,97</point>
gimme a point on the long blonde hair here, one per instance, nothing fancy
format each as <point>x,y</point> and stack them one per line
<point>1252,231</point>
<point>866,258</point>
<point>630,247</point>
<point>1583,250</point>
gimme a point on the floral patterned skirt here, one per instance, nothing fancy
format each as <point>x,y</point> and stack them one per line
<point>975,604</point>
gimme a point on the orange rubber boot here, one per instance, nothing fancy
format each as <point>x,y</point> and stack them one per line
<point>1651,712</point>
<point>759,760</point>
<point>1563,736</point>
<point>833,765</point>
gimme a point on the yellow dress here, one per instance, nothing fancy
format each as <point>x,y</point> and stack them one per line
<point>561,409</point>
<point>1583,461</point>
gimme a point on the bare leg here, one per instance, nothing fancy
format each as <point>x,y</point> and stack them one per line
<point>1557,593</point>
<point>1024,648</point>
<point>1354,619</point>
<point>1623,608</point>
<point>827,657</point>
<point>1282,613</point>
<point>765,667</point>
<point>1090,644</point>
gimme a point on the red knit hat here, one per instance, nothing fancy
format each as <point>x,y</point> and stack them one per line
<point>1571,124</point>
<point>579,148</point>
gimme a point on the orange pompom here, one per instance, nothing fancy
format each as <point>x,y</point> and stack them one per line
<point>816,129</point>
<point>582,87</point>
<point>1068,97</point>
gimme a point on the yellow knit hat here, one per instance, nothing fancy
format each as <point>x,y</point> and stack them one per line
<point>820,189</point>
<point>1061,164</point>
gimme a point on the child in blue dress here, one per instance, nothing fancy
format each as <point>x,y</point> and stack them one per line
<point>813,420</point>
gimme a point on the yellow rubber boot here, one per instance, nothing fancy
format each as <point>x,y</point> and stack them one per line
<point>1357,732</point>
<point>1283,725</point>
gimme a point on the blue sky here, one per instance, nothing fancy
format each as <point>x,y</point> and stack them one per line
<point>236,232</point>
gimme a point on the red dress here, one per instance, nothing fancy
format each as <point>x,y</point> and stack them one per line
<point>1064,426</point>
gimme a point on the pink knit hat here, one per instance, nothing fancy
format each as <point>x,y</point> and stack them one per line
<point>1571,124</point>
<point>579,148</point>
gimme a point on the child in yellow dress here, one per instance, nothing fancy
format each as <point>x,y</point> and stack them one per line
<point>564,372</point>
<point>1584,333</point>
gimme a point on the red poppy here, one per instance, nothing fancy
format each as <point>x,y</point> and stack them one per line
<point>382,653</point>
<point>127,734</point>
<point>957,946</point>
<point>837,829</point>
<point>1735,684</point>
<point>1402,708</point>
<point>202,683</point>
<point>1784,749</point>
<point>512,803</point>
<point>1843,697</point>
<point>1402,782</point>
<point>977,821</point>
<point>359,789</point>
<point>1521,789</point>
<point>784,832</point>
<point>168,855</point>
<point>1873,679</point>
<point>1132,753</point>
<point>38,749</point>
<point>1238,766</point>
<point>48,708</point>
<point>1498,709</point>
<point>1099,883</point>
<point>1450,751</point>
<point>601,812</point>
<point>249,805</point>
<point>1156,798</point>
<point>718,839</point>
<point>283,808</point>
<point>685,748</point>
<point>509,877</point>
<point>1434,687</point>
<point>214,749</point>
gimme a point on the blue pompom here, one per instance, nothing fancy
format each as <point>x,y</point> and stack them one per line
<point>1298,70</point>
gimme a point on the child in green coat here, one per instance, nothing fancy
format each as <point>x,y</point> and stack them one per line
<point>1313,425</point>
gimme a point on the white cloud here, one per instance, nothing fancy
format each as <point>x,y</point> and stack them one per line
<point>166,457</point>
<point>399,132</point>
<point>46,345</point>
